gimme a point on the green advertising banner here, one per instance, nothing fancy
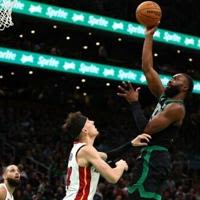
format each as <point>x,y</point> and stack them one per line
<point>67,65</point>
<point>75,17</point>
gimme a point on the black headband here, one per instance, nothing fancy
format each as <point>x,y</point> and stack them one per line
<point>77,126</point>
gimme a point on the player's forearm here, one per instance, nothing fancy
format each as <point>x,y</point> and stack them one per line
<point>138,116</point>
<point>153,128</point>
<point>112,175</point>
<point>119,151</point>
<point>116,174</point>
<point>147,57</point>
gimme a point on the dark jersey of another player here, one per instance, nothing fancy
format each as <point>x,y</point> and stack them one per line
<point>165,137</point>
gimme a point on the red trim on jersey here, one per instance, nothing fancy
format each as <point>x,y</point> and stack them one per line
<point>84,183</point>
<point>68,177</point>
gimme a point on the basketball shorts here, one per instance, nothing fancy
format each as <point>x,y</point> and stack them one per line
<point>150,173</point>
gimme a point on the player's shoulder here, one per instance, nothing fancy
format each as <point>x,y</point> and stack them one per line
<point>3,192</point>
<point>87,150</point>
<point>87,153</point>
<point>176,107</point>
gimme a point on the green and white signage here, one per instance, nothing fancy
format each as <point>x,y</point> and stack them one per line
<point>101,22</point>
<point>67,65</point>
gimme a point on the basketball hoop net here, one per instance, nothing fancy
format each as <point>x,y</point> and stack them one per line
<point>5,13</point>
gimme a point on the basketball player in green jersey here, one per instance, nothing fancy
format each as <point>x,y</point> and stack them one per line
<point>153,164</point>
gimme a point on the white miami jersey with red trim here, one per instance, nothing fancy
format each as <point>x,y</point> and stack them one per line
<point>81,182</point>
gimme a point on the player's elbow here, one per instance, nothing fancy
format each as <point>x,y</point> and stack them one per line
<point>113,180</point>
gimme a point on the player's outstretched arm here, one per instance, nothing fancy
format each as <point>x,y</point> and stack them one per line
<point>152,77</point>
<point>140,140</point>
<point>132,96</point>
<point>173,114</point>
<point>112,175</point>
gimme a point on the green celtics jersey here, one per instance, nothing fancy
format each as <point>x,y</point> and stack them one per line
<point>166,136</point>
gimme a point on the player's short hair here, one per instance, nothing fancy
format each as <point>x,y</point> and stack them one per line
<point>74,123</point>
<point>190,83</point>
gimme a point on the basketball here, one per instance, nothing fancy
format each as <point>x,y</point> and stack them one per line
<point>148,13</point>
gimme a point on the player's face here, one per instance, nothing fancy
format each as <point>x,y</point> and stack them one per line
<point>175,85</point>
<point>90,127</point>
<point>12,175</point>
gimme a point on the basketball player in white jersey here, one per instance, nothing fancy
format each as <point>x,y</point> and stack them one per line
<point>11,176</point>
<point>85,163</point>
